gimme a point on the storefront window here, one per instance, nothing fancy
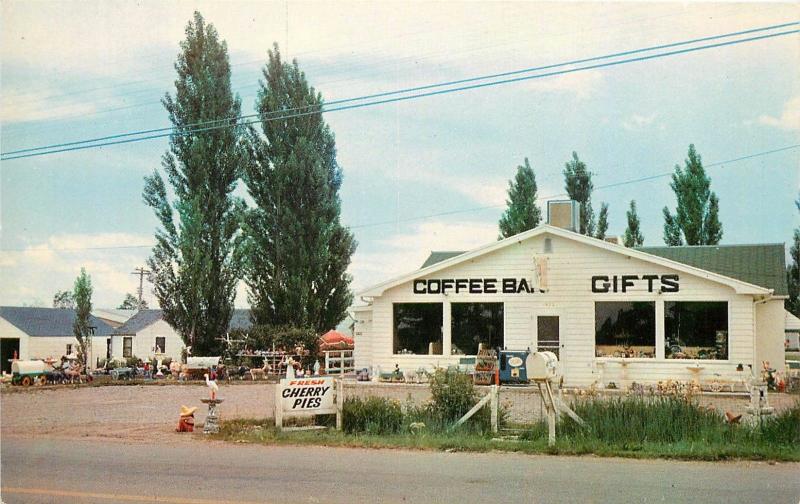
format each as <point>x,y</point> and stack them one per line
<point>696,330</point>
<point>418,328</point>
<point>473,324</point>
<point>625,329</point>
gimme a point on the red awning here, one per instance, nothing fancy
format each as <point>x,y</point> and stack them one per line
<point>337,340</point>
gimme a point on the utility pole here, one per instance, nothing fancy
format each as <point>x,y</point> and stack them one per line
<point>141,272</point>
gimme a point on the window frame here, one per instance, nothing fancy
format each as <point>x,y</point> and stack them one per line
<point>163,347</point>
<point>470,301</point>
<point>728,321</point>
<point>656,338</point>
<point>129,349</point>
<point>439,302</point>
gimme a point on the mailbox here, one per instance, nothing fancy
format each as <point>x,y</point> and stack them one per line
<point>542,366</point>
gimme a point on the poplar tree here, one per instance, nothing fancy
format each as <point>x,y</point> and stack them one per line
<point>602,222</point>
<point>196,259</point>
<point>522,213</point>
<point>633,235</point>
<point>297,249</point>
<point>793,271</point>
<point>696,218</point>
<point>82,295</point>
<point>579,186</point>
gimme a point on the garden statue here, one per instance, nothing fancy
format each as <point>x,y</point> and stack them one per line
<point>186,420</point>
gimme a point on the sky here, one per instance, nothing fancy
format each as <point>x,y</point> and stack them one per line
<point>419,175</point>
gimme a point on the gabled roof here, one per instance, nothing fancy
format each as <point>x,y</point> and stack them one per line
<point>741,287</point>
<point>762,265</point>
<point>144,318</point>
<point>49,321</point>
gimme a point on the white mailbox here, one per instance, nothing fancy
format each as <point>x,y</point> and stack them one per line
<point>542,366</point>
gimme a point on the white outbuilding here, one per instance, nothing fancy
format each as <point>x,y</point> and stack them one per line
<point>611,313</point>
<point>40,333</point>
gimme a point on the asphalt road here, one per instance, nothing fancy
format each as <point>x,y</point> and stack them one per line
<point>200,472</point>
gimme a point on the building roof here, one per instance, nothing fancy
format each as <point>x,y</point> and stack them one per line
<point>144,318</point>
<point>739,286</point>
<point>439,256</point>
<point>49,321</point>
<point>763,265</point>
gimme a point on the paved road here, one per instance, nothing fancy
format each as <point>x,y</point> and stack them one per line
<point>202,472</point>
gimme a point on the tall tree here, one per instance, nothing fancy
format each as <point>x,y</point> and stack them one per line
<point>522,213</point>
<point>579,186</point>
<point>82,293</point>
<point>131,302</point>
<point>696,218</point>
<point>63,299</point>
<point>602,222</point>
<point>196,259</point>
<point>633,235</point>
<point>297,249</point>
<point>793,271</point>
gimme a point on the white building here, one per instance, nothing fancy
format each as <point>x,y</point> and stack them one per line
<point>792,329</point>
<point>39,333</point>
<point>147,331</point>
<point>611,313</point>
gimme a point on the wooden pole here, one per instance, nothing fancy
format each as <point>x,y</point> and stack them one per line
<point>278,407</point>
<point>494,405</point>
<point>339,403</point>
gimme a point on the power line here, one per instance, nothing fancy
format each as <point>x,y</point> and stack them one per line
<point>320,108</point>
<point>453,212</point>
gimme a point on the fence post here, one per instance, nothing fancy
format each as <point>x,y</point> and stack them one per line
<point>495,405</point>
<point>339,403</point>
<point>278,407</point>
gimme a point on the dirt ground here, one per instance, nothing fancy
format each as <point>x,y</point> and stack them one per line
<point>133,412</point>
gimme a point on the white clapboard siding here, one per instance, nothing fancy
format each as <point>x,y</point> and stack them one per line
<point>571,267</point>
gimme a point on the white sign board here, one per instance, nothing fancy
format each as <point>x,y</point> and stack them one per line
<point>314,395</point>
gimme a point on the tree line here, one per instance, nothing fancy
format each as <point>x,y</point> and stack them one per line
<point>695,221</point>
<point>288,244</point>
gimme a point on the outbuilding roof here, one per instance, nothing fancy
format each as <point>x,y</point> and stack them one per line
<point>763,264</point>
<point>144,318</point>
<point>38,322</point>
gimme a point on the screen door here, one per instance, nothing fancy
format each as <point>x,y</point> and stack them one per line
<point>547,334</point>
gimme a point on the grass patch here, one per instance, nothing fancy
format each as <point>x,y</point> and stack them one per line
<point>633,427</point>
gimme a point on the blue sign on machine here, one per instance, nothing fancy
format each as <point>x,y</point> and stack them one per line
<point>512,366</point>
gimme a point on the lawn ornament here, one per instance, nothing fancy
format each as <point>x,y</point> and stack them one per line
<point>74,373</point>
<point>186,419</point>
<point>260,373</point>
<point>213,388</point>
<point>175,369</point>
<point>28,372</point>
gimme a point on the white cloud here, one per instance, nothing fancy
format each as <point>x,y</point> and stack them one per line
<point>636,122</point>
<point>39,270</point>
<point>789,118</point>
<point>405,252</point>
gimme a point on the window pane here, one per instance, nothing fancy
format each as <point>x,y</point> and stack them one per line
<point>127,347</point>
<point>160,342</point>
<point>625,329</point>
<point>474,323</point>
<point>696,330</point>
<point>418,328</point>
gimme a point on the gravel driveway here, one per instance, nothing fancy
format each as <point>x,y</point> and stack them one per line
<point>123,412</point>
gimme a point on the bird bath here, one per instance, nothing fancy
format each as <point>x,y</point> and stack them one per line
<point>211,425</point>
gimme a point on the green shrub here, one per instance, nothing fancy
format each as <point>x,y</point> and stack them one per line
<point>133,362</point>
<point>374,415</point>
<point>452,394</point>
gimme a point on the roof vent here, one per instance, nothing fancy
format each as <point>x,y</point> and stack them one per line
<point>564,214</point>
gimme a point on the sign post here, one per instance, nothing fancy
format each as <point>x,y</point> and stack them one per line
<point>318,395</point>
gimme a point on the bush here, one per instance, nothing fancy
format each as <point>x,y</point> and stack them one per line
<point>784,428</point>
<point>133,362</point>
<point>374,415</point>
<point>452,395</point>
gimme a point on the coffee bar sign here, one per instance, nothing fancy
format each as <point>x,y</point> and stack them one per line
<point>474,286</point>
